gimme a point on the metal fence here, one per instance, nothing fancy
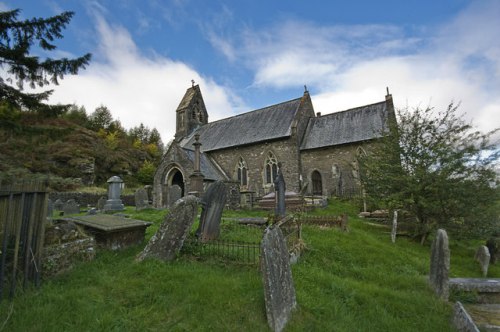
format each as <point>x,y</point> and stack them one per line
<point>23,211</point>
<point>232,251</point>
<point>242,252</point>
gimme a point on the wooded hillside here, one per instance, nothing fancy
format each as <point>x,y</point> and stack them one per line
<point>74,149</point>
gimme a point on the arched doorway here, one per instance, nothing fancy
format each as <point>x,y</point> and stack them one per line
<point>177,179</point>
<point>317,184</point>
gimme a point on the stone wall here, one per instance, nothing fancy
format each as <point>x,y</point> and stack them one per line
<point>87,199</point>
<point>255,157</point>
<point>338,167</point>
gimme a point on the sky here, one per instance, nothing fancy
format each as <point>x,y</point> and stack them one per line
<point>249,54</point>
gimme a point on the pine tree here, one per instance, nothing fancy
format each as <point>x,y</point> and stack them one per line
<point>21,67</point>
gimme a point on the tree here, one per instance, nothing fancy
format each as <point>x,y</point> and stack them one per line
<point>437,168</point>
<point>16,39</point>
<point>101,118</point>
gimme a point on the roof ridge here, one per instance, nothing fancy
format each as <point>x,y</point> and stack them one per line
<point>351,109</point>
<point>253,111</point>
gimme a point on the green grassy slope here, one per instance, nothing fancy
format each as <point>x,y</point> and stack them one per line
<point>356,281</point>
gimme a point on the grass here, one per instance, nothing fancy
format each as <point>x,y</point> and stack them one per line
<point>356,281</point>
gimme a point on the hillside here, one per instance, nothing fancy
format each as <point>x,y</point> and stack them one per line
<point>72,151</point>
<point>355,281</point>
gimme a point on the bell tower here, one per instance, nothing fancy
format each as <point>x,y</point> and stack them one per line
<point>191,112</point>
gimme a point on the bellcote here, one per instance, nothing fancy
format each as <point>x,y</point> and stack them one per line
<point>191,112</point>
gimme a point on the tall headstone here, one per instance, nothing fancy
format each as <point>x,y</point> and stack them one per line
<point>394,226</point>
<point>279,187</point>
<point>50,209</point>
<point>174,194</point>
<point>58,205</point>
<point>71,207</point>
<point>279,291</point>
<point>141,199</point>
<point>440,264</point>
<point>213,203</point>
<point>114,203</point>
<point>169,238</point>
<point>483,257</point>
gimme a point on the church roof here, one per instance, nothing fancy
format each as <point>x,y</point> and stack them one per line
<point>353,125</point>
<point>208,168</point>
<point>272,122</point>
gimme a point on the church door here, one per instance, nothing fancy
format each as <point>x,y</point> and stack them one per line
<point>317,185</point>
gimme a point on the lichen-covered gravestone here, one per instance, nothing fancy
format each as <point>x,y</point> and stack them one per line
<point>141,199</point>
<point>58,205</point>
<point>174,194</point>
<point>483,257</point>
<point>71,207</point>
<point>279,291</point>
<point>440,264</point>
<point>169,238</point>
<point>394,228</point>
<point>213,203</point>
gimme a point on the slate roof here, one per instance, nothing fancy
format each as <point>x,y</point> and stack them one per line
<point>208,168</point>
<point>354,125</point>
<point>264,124</point>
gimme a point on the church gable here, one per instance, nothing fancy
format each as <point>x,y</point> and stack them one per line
<point>269,123</point>
<point>351,126</point>
<point>191,112</point>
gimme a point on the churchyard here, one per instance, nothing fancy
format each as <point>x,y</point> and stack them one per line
<point>344,281</point>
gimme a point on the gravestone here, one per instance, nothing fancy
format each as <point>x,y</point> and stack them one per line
<point>493,245</point>
<point>58,205</point>
<point>101,202</point>
<point>344,222</point>
<point>212,203</point>
<point>174,194</point>
<point>50,208</point>
<point>168,240</point>
<point>483,257</point>
<point>279,187</point>
<point>149,191</point>
<point>92,211</point>
<point>440,264</point>
<point>71,207</point>
<point>141,199</point>
<point>394,226</point>
<point>114,203</point>
<point>279,292</point>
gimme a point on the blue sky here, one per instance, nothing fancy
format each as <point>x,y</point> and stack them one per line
<point>247,54</point>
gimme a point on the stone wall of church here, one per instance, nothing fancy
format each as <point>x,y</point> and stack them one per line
<point>338,168</point>
<point>255,158</point>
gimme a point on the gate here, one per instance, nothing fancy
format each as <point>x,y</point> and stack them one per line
<point>23,211</point>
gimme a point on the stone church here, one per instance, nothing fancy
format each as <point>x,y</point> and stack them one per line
<point>317,153</point>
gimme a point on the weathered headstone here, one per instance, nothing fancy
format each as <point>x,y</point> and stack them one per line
<point>174,194</point>
<point>344,222</point>
<point>279,291</point>
<point>101,202</point>
<point>440,264</point>
<point>280,188</point>
<point>71,207</point>
<point>114,203</point>
<point>58,205</point>
<point>50,208</point>
<point>169,238</point>
<point>493,245</point>
<point>92,211</point>
<point>394,226</point>
<point>141,199</point>
<point>213,203</point>
<point>483,257</point>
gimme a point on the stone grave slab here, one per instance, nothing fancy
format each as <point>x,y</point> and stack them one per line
<point>213,203</point>
<point>440,264</point>
<point>113,232</point>
<point>279,291</point>
<point>168,240</point>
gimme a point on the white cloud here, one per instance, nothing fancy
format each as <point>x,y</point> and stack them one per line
<point>348,66</point>
<point>137,88</point>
